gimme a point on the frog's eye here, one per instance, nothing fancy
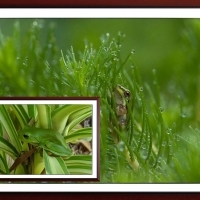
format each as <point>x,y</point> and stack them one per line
<point>127,94</point>
<point>26,136</point>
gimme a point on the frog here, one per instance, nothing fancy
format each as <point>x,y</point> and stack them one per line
<point>47,139</point>
<point>122,97</point>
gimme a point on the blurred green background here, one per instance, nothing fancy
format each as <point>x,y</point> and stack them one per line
<point>154,40</point>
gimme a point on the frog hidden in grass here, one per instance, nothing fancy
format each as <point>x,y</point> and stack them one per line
<point>121,98</point>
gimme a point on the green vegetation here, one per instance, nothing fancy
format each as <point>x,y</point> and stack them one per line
<point>163,115</point>
<point>55,124</point>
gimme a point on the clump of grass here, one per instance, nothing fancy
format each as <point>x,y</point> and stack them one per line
<point>27,66</point>
<point>96,73</point>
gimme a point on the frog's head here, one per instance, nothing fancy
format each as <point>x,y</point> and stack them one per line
<point>26,135</point>
<point>121,94</point>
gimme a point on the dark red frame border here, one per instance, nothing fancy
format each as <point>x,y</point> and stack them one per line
<point>38,180</point>
<point>100,4</point>
<point>101,196</point>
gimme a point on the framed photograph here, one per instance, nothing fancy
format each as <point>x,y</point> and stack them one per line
<point>143,64</point>
<point>49,139</point>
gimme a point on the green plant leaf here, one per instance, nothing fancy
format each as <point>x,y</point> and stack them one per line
<point>77,117</point>
<point>8,148</point>
<point>44,116</point>
<point>79,159</point>
<point>3,165</point>
<point>21,114</point>
<point>10,129</point>
<point>54,165</point>
<point>79,164</point>
<point>79,134</point>
<point>80,169</point>
<point>32,111</point>
<point>61,115</point>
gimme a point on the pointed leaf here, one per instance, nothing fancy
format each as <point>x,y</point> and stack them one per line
<point>54,165</point>
<point>61,115</point>
<point>79,134</point>
<point>8,148</point>
<point>21,114</point>
<point>44,116</point>
<point>9,127</point>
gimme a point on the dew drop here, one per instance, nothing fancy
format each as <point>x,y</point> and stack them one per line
<point>132,51</point>
<point>119,33</point>
<point>154,71</point>
<point>170,143</point>
<point>144,146</point>
<point>105,49</point>
<point>74,91</point>
<point>197,130</point>
<point>164,143</point>
<point>161,109</point>
<point>49,45</point>
<point>183,115</point>
<point>35,23</point>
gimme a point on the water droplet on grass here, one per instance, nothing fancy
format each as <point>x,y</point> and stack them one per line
<point>132,51</point>
<point>35,23</point>
<point>161,109</point>
<point>164,143</point>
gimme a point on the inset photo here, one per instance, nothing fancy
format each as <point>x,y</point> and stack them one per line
<point>49,138</point>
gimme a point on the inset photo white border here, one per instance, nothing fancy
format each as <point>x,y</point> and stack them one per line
<point>94,101</point>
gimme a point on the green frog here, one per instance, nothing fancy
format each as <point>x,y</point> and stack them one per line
<point>122,96</point>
